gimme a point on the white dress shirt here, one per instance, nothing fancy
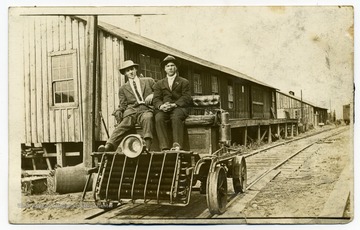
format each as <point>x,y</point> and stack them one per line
<point>171,80</point>
<point>138,86</point>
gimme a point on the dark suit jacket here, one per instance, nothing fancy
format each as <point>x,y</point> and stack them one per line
<point>127,100</point>
<point>180,93</point>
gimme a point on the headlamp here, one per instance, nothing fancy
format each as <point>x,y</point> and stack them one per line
<point>132,145</point>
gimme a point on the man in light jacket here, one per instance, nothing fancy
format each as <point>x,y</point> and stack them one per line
<point>135,99</point>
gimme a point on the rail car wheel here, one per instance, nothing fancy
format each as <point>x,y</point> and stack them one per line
<point>240,181</point>
<point>216,190</point>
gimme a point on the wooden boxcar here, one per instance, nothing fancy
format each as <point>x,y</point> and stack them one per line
<point>346,113</point>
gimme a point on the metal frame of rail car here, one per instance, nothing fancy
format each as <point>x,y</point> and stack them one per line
<point>132,174</point>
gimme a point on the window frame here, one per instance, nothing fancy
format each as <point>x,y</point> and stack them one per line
<point>198,89</point>
<point>230,94</point>
<point>151,65</point>
<point>214,79</point>
<point>75,103</point>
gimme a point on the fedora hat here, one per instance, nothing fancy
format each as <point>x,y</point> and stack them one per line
<point>168,59</point>
<point>127,64</point>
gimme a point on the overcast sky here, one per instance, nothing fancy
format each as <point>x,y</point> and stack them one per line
<point>286,48</point>
<point>291,48</point>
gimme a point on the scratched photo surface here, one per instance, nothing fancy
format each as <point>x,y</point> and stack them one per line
<point>268,138</point>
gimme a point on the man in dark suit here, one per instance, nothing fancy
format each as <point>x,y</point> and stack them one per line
<point>172,97</point>
<point>135,99</point>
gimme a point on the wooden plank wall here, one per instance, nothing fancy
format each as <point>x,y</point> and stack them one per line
<point>43,35</point>
<point>289,104</point>
<point>111,54</point>
<point>242,100</point>
<point>267,103</point>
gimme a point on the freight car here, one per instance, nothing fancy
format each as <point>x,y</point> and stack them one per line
<point>346,114</point>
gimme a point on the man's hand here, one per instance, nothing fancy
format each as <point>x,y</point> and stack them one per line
<point>118,115</point>
<point>167,106</point>
<point>164,107</point>
<point>148,99</point>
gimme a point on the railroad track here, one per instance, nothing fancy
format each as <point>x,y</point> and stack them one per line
<point>260,163</point>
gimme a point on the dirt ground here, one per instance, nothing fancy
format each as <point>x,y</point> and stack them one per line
<point>305,191</point>
<point>301,194</point>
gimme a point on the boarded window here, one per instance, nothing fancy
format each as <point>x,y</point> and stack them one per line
<point>214,85</point>
<point>63,73</point>
<point>230,97</point>
<point>257,95</point>
<point>150,67</point>
<point>197,84</point>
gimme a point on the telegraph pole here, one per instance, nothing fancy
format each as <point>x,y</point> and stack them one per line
<point>302,108</point>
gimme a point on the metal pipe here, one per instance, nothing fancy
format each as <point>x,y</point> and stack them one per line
<point>103,122</point>
<point>121,179</point>
<point>175,177</point>
<point>147,176</point>
<point>161,172</point>
<point>136,169</point>
<point>109,178</point>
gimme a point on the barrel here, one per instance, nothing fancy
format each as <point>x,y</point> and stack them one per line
<point>71,179</point>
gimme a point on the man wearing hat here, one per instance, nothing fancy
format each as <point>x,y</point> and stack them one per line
<point>172,97</point>
<point>135,98</point>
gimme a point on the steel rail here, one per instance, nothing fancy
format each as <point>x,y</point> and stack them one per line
<point>285,142</point>
<point>289,158</point>
<point>256,180</point>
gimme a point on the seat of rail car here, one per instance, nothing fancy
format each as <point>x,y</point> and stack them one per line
<point>204,110</point>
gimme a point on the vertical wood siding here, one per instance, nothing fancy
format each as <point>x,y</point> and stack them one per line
<point>27,99</point>
<point>290,105</point>
<point>111,53</point>
<point>42,36</point>
<point>242,100</point>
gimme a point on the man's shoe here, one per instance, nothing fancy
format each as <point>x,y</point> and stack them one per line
<point>106,148</point>
<point>176,146</point>
<point>101,148</point>
<point>148,143</point>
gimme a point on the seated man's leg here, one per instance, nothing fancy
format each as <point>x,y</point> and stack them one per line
<point>178,116</point>
<point>120,131</point>
<point>161,119</point>
<point>146,120</point>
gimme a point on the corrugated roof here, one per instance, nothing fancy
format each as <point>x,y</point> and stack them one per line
<point>135,38</point>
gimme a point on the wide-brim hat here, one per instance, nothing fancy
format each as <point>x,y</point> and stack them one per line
<point>168,59</point>
<point>127,64</point>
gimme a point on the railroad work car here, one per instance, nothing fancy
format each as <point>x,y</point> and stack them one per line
<point>71,82</point>
<point>133,174</point>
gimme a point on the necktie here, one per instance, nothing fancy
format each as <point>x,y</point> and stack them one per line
<point>137,92</point>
